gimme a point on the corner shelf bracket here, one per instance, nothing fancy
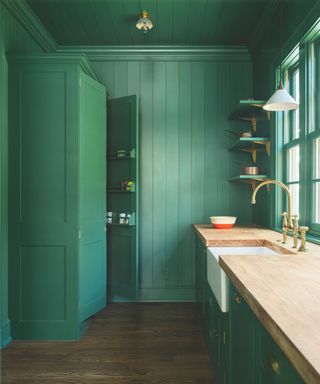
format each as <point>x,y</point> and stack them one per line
<point>253,152</point>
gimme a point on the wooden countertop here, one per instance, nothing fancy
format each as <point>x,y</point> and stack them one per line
<point>283,291</point>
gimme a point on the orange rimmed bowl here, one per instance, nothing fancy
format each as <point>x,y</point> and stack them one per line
<point>223,222</point>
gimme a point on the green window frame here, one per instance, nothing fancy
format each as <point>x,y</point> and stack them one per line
<point>291,134</point>
<point>313,139</point>
<point>300,129</point>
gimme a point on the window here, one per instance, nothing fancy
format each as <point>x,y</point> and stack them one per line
<point>298,134</point>
<point>293,176</point>
<point>291,134</point>
<point>316,183</point>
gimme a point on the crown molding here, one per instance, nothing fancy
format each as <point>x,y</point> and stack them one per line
<point>31,23</point>
<point>68,58</point>
<point>160,53</point>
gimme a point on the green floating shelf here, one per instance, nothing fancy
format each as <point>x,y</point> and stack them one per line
<point>251,145</point>
<point>130,155</point>
<point>110,190</point>
<point>250,110</point>
<point>119,189</point>
<point>250,179</point>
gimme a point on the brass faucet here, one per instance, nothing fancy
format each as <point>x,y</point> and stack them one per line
<point>285,188</point>
<point>287,222</point>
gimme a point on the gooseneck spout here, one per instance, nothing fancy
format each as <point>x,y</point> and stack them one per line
<point>284,187</point>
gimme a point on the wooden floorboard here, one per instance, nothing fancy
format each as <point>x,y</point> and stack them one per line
<point>124,344</point>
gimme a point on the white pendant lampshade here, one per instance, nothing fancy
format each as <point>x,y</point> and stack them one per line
<point>281,100</point>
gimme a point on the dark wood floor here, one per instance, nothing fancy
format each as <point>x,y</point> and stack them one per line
<point>125,344</point>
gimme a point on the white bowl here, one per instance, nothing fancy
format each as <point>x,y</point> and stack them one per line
<point>223,222</point>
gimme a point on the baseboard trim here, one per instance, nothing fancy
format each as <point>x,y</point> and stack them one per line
<point>158,295</point>
<point>5,337</point>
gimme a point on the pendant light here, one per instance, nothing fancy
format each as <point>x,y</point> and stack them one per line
<point>144,23</point>
<point>281,100</point>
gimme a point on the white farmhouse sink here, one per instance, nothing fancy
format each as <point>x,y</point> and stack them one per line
<point>217,278</point>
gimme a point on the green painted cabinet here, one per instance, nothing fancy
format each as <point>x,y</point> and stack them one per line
<point>243,334</point>
<point>274,367</point>
<point>255,357</point>
<point>122,192</point>
<point>216,332</point>
<point>201,272</point>
<point>57,196</point>
<point>215,323</point>
<point>240,349</point>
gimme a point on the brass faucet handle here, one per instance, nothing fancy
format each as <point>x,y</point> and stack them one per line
<point>295,219</point>
<point>284,219</point>
<point>284,227</point>
<point>295,222</point>
<point>303,231</point>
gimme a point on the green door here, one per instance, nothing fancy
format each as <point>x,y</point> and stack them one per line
<point>122,238</point>
<point>42,194</point>
<point>92,197</point>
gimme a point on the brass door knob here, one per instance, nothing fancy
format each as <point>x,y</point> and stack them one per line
<point>275,366</point>
<point>237,298</point>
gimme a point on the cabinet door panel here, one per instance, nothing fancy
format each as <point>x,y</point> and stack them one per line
<point>92,197</point>
<point>275,367</point>
<point>122,268</point>
<point>42,192</point>
<point>243,336</point>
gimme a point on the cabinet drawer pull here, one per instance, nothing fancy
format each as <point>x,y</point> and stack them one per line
<point>237,298</point>
<point>275,366</point>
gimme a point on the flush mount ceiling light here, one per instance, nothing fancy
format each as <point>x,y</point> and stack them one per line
<point>144,23</point>
<point>281,100</point>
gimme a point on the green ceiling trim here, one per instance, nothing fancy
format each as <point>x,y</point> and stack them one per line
<point>30,22</point>
<point>68,58</point>
<point>160,53</point>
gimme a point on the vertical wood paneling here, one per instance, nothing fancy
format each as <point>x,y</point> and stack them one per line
<point>146,173</point>
<point>185,269</point>
<point>197,136</point>
<point>172,173</point>
<point>211,139</point>
<point>121,79</point>
<point>159,183</point>
<point>184,160</point>
<point>110,78</point>
<point>134,79</point>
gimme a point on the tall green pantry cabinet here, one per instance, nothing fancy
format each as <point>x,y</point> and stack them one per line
<point>57,196</point>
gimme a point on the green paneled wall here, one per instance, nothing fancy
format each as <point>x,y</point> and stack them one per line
<point>12,38</point>
<point>184,161</point>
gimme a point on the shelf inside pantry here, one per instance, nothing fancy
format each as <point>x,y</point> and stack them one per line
<point>127,155</point>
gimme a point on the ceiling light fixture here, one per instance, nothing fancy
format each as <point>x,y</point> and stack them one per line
<point>144,23</point>
<point>281,100</point>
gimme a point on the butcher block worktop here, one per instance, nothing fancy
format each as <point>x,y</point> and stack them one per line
<point>283,291</point>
